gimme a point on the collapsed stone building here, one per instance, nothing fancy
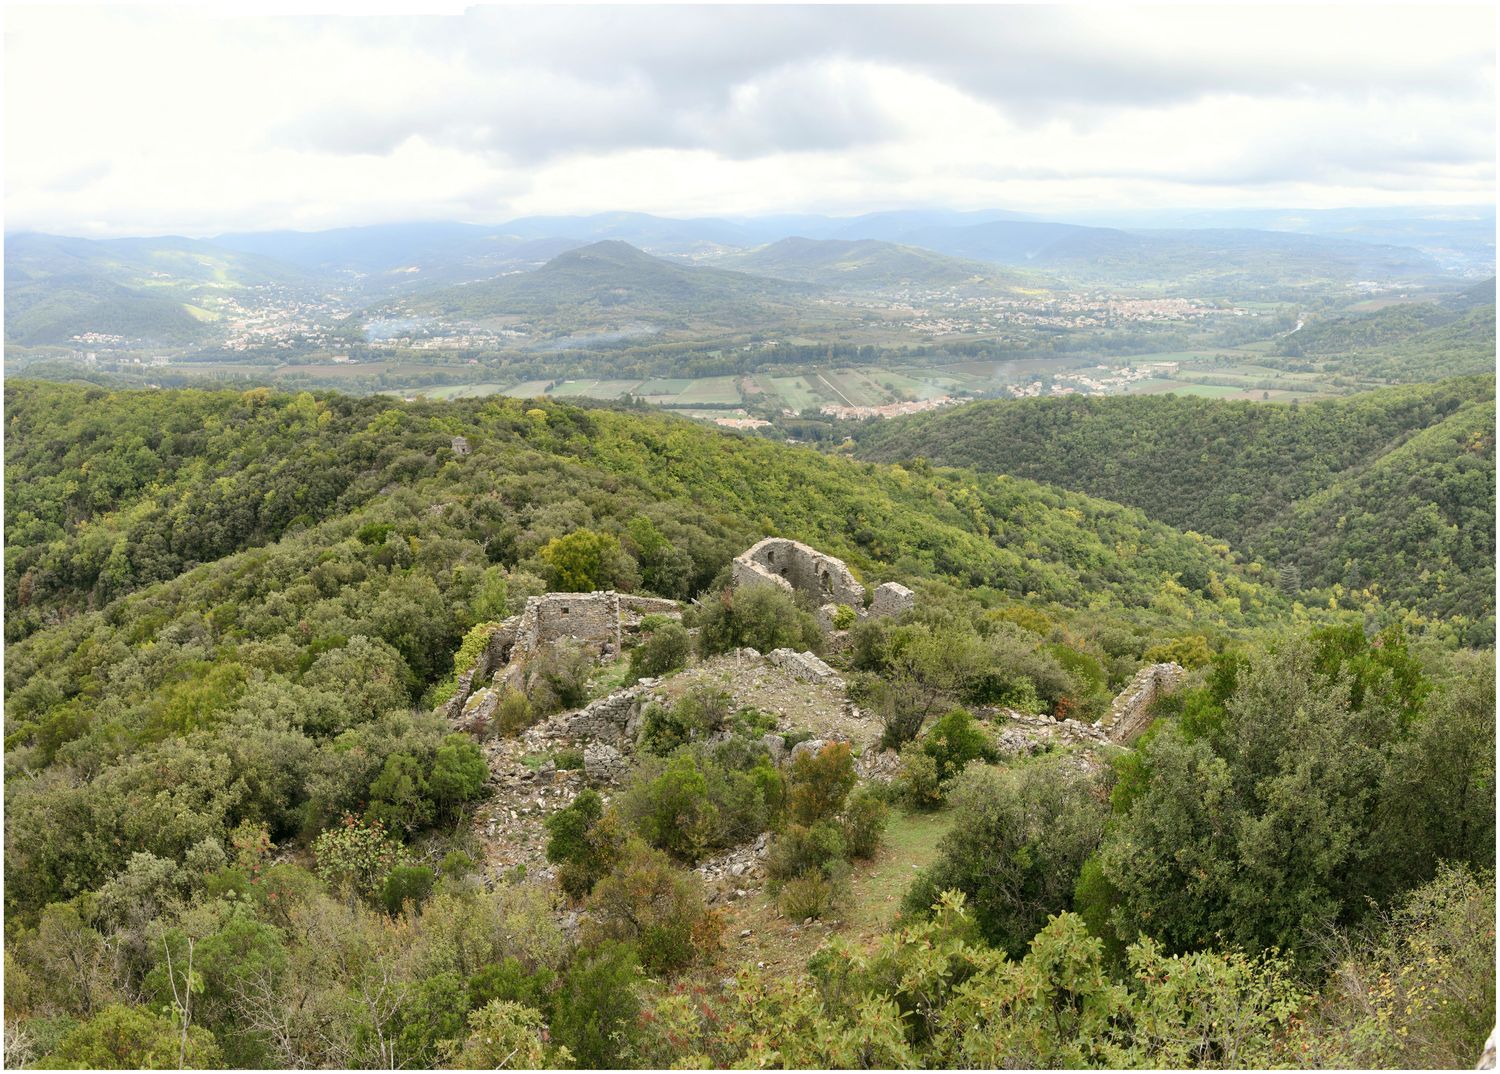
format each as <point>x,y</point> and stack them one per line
<point>825,580</point>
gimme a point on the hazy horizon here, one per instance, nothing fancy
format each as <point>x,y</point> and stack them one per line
<point>1098,217</point>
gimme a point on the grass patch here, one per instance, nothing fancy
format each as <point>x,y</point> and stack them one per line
<point>609,677</point>
<point>910,845</point>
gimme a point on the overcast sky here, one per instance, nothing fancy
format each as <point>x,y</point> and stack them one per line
<point>133,120</point>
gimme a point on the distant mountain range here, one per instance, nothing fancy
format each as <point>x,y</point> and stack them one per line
<point>165,289</point>
<point>612,281</point>
<point>867,264</point>
<point>160,290</point>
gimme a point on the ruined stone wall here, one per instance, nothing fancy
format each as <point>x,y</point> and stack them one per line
<point>823,578</point>
<point>1129,713</point>
<point>598,620</point>
<point>592,618</point>
<point>891,599</point>
<point>629,602</point>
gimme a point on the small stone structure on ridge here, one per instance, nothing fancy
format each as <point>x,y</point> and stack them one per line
<point>824,579</point>
<point>597,620</point>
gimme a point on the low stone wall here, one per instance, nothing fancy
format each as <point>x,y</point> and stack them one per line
<point>805,666</point>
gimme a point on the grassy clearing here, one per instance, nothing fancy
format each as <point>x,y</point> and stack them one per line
<point>665,386</point>
<point>566,388</point>
<point>795,392</point>
<point>464,391</point>
<point>911,844</point>
<point>875,891</point>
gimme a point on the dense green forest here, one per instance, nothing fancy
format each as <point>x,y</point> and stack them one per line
<point>1402,343</point>
<point>111,491</point>
<point>1390,493</point>
<point>237,833</point>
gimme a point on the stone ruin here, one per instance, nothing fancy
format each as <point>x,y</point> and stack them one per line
<point>598,620</point>
<point>825,580</point>
<point>1130,712</point>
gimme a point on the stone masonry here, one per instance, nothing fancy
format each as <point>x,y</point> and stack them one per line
<point>825,580</point>
<point>1130,712</point>
<point>598,620</point>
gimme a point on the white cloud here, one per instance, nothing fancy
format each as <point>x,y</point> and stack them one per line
<point>134,120</point>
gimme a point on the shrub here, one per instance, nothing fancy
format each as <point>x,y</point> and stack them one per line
<point>459,774</point>
<point>568,760</point>
<point>809,895</point>
<point>663,731</point>
<point>1191,652</point>
<point>864,822</point>
<point>955,740</point>
<point>503,1036</point>
<point>800,850</point>
<point>583,561</point>
<point>513,714</point>
<point>751,722</point>
<point>819,782</point>
<point>696,714</point>
<point>1013,669</point>
<point>1418,990</point>
<point>597,1005</point>
<point>844,617</point>
<point>665,648</point>
<point>918,778</point>
<point>582,842</point>
<point>558,676</point>
<point>705,707</point>
<point>1019,840</point>
<point>400,797</point>
<point>654,906</point>
<point>406,884</point>
<point>672,808</point>
<point>356,856</point>
<point>691,803</point>
<point>124,1038</point>
<point>510,980</point>
<point>762,617</point>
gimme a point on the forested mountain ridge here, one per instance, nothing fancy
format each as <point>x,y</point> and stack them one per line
<point>57,287</point>
<point>1404,343</point>
<point>1267,477</point>
<point>111,491</point>
<point>867,264</point>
